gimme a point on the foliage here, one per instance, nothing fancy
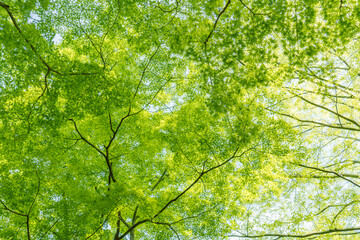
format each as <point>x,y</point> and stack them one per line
<point>169,119</point>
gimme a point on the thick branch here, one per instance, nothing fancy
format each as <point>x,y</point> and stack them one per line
<point>105,155</point>
<point>12,211</point>
<point>28,226</point>
<point>109,164</point>
<point>132,233</point>
<point>123,220</point>
<point>7,8</point>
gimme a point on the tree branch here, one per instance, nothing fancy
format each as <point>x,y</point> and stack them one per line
<point>300,235</point>
<point>184,191</point>
<point>198,178</point>
<point>144,71</point>
<point>106,219</point>
<point>12,211</point>
<point>169,226</point>
<point>328,110</point>
<point>252,12</point>
<point>85,140</point>
<point>7,8</point>
<point>331,172</point>
<point>216,21</point>
<point>160,179</point>
<point>314,122</point>
<point>152,99</point>
<point>57,220</point>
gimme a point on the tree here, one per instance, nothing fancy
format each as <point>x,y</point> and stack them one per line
<point>147,119</point>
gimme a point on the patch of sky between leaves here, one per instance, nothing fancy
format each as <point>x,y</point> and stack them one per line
<point>57,39</point>
<point>35,17</point>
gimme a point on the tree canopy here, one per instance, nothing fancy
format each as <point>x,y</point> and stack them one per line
<point>179,119</point>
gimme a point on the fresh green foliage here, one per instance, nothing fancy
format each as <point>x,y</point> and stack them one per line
<point>170,119</point>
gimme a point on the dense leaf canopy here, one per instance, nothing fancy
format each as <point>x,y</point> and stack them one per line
<point>179,119</point>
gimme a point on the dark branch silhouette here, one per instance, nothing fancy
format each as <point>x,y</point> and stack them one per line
<point>216,21</point>
<point>306,235</point>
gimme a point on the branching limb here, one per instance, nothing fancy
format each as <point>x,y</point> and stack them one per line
<point>216,21</point>
<point>342,209</point>
<point>331,172</point>
<point>94,45</point>
<point>105,155</point>
<point>328,110</point>
<point>342,230</point>
<point>117,233</point>
<point>133,227</point>
<point>132,233</point>
<point>85,140</point>
<point>28,212</point>
<point>12,211</point>
<point>199,177</point>
<point>123,220</point>
<point>129,114</point>
<point>315,122</point>
<point>234,155</point>
<point>7,8</point>
<point>109,164</point>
